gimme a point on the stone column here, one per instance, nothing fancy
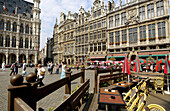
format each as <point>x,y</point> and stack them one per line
<point>10,39</point>
<point>36,59</point>
<point>24,42</point>
<point>156,32</point>
<point>7,58</point>
<point>17,57</point>
<point>11,26</point>
<point>27,58</point>
<point>166,30</point>
<point>166,8</point>
<point>138,35</point>
<point>120,19</point>
<point>5,25</point>
<point>128,36</point>
<point>147,35</point>
<point>120,37</point>
<point>4,36</point>
<point>114,39</point>
<point>146,12</point>
<point>155,10</point>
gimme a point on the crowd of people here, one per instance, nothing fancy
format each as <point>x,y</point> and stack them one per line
<point>39,70</point>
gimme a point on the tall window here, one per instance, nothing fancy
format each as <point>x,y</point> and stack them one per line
<point>94,14</point>
<point>117,22</point>
<point>86,49</point>
<point>82,39</point>
<point>79,39</point>
<point>26,42</point>
<point>30,43</point>
<point>14,27</point>
<point>160,8</point>
<point>142,32</point>
<point>27,29</point>
<point>99,24</point>
<point>111,36</point>
<point>95,35</point>
<point>86,38</point>
<point>7,43</point>
<point>151,28</point>
<point>8,26</point>
<point>21,43</point>
<point>103,46</point>
<point>91,47</point>
<point>71,35</point>
<point>2,25</point>
<point>103,23</point>
<point>103,34</point>
<point>124,36</point>
<point>123,18</point>
<point>91,26</point>
<point>72,48</point>
<point>1,40</point>
<point>21,28</point>
<point>99,35</point>
<point>161,29</point>
<point>150,8</point>
<point>117,37</point>
<point>142,13</point>
<point>13,41</point>
<point>95,47</point>
<point>99,46</point>
<point>99,12</point>
<point>68,45</point>
<point>65,48</point>
<point>95,25</point>
<point>110,22</point>
<point>91,36</point>
<point>133,35</point>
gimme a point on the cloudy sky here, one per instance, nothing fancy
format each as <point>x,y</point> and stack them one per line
<point>50,9</point>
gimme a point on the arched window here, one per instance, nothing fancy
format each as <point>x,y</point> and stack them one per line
<point>27,29</point>
<point>7,43</point>
<point>1,40</point>
<point>21,28</point>
<point>30,43</point>
<point>21,42</point>
<point>1,25</point>
<point>8,26</point>
<point>13,41</point>
<point>14,27</point>
<point>26,42</point>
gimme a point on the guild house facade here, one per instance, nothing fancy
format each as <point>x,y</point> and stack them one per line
<point>138,27</point>
<point>19,31</point>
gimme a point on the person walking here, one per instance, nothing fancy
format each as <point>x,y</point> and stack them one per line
<point>40,75</point>
<point>49,67</point>
<point>24,67</point>
<point>52,66</point>
<point>77,67</point>
<point>3,66</point>
<point>63,74</point>
<point>36,69</point>
<point>57,69</point>
<point>16,67</point>
<point>12,69</point>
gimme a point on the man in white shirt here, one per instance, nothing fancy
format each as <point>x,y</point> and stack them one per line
<point>40,75</point>
<point>24,68</point>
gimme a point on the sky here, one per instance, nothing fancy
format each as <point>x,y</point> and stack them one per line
<point>51,9</point>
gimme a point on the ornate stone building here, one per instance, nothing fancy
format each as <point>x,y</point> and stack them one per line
<point>19,31</point>
<point>138,27</point>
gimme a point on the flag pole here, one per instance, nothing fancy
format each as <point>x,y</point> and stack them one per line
<point>167,66</point>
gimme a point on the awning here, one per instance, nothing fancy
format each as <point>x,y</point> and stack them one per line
<point>115,55</point>
<point>97,56</point>
<point>154,54</point>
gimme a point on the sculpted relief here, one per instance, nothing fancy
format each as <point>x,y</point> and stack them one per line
<point>132,17</point>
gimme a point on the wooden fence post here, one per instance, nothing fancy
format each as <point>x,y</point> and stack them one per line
<point>96,80</point>
<point>68,85</point>
<point>83,73</point>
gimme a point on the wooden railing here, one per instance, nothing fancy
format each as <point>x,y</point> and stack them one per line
<point>99,71</point>
<point>74,99</point>
<point>26,95</point>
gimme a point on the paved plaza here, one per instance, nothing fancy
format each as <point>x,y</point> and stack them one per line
<point>55,98</point>
<point>52,100</point>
